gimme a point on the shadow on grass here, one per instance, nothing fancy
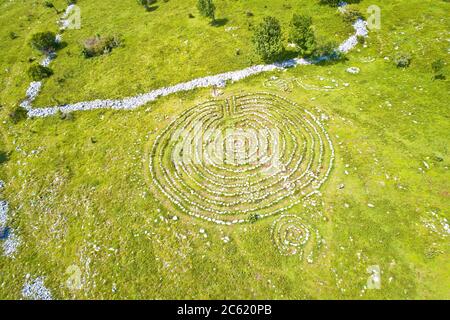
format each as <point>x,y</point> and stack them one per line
<point>219,22</point>
<point>286,55</point>
<point>4,233</point>
<point>61,45</point>
<point>330,59</point>
<point>151,8</point>
<point>4,157</point>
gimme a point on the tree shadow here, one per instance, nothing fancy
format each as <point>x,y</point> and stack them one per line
<point>4,157</point>
<point>61,45</point>
<point>151,8</point>
<point>287,55</point>
<point>329,60</point>
<point>4,233</point>
<point>219,22</point>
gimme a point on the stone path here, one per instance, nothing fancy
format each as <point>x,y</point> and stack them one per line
<point>219,80</point>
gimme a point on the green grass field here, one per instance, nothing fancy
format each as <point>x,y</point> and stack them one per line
<point>80,191</point>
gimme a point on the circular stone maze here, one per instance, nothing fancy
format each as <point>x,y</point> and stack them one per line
<point>246,157</point>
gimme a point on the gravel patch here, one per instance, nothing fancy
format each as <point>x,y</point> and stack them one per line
<point>3,213</point>
<point>31,94</point>
<point>36,290</point>
<point>353,70</point>
<point>11,244</point>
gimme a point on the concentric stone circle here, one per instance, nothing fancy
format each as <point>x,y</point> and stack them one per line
<point>290,235</point>
<point>251,155</point>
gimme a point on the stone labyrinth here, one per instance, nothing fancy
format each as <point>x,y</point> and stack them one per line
<point>292,236</point>
<point>318,83</point>
<point>243,158</point>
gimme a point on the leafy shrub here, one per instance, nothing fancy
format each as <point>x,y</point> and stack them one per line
<point>438,68</point>
<point>45,42</point>
<point>98,45</point>
<point>351,14</point>
<point>328,49</point>
<point>402,60</point>
<point>66,115</point>
<point>361,39</point>
<point>18,114</point>
<point>206,8</point>
<point>302,34</point>
<point>48,4</point>
<point>335,3</point>
<point>253,218</point>
<point>267,39</point>
<point>147,4</point>
<point>13,35</point>
<point>38,72</point>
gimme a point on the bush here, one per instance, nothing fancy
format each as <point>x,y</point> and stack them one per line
<point>438,68</point>
<point>48,4</point>
<point>18,114</point>
<point>98,45</point>
<point>147,4</point>
<point>206,8</point>
<point>45,42</point>
<point>302,34</point>
<point>361,39</point>
<point>38,72</point>
<point>13,35</point>
<point>328,49</point>
<point>402,60</point>
<point>351,14</point>
<point>66,115</point>
<point>267,39</point>
<point>335,3</point>
<point>253,218</point>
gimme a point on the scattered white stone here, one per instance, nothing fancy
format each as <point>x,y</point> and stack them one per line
<point>31,94</point>
<point>353,70</point>
<point>360,27</point>
<point>226,239</point>
<point>3,213</point>
<point>11,244</point>
<point>2,184</point>
<point>228,29</point>
<point>36,290</point>
<point>370,205</point>
<point>174,218</point>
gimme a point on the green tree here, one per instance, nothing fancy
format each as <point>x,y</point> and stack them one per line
<point>206,8</point>
<point>267,39</point>
<point>45,42</point>
<point>302,34</point>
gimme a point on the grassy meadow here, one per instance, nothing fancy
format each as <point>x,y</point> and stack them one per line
<point>80,193</point>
